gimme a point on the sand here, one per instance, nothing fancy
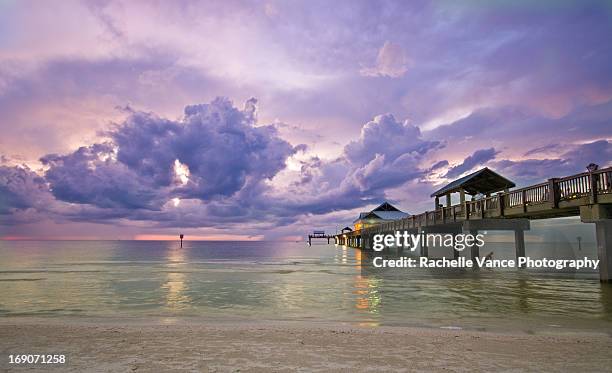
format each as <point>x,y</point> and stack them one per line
<point>205,346</point>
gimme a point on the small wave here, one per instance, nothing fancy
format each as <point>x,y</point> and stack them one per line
<point>20,279</point>
<point>283,271</point>
<point>25,271</point>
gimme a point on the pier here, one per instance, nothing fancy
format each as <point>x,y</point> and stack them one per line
<point>320,235</point>
<point>588,195</point>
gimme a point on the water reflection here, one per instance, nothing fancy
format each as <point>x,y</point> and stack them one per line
<point>366,290</point>
<point>606,300</point>
<point>175,286</point>
<point>279,280</point>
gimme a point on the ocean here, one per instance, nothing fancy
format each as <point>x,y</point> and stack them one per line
<point>251,281</point>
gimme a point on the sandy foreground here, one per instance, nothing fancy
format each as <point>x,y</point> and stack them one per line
<point>125,346</point>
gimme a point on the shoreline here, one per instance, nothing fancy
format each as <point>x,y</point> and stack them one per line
<point>517,326</point>
<point>156,344</point>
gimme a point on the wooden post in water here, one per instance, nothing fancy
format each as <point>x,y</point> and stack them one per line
<point>519,242</point>
<point>603,233</point>
<point>424,249</point>
<point>181,237</point>
<point>474,250</point>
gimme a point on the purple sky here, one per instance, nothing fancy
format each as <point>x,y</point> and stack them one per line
<point>264,120</point>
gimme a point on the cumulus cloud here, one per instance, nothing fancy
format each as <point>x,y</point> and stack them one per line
<point>226,159</point>
<point>218,148</point>
<point>92,176</point>
<point>387,154</point>
<point>20,189</point>
<point>221,165</point>
<point>389,137</point>
<point>391,61</point>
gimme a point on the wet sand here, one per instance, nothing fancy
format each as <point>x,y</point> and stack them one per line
<point>125,345</point>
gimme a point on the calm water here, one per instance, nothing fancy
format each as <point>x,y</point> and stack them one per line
<point>289,281</point>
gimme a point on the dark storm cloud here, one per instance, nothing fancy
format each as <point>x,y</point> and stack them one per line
<point>90,176</point>
<point>217,144</point>
<point>20,188</point>
<point>223,149</point>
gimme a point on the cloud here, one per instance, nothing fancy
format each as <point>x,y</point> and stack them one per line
<point>543,149</point>
<point>479,157</point>
<point>92,176</point>
<point>519,132</point>
<point>391,62</point>
<point>438,165</point>
<point>20,189</point>
<point>571,162</point>
<point>217,146</point>
<point>230,163</point>
<point>387,154</point>
<point>386,136</point>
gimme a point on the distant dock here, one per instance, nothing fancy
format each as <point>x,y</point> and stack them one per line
<point>320,235</point>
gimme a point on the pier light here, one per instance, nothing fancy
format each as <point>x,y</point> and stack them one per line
<point>592,167</point>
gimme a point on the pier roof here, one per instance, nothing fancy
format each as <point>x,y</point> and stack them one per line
<point>384,211</point>
<point>482,181</point>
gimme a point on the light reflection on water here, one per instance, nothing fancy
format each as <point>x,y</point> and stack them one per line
<point>290,281</point>
<point>175,285</point>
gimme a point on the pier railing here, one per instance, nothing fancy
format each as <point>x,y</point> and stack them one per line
<point>553,198</point>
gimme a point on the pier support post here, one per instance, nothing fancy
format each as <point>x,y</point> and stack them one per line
<point>519,243</point>
<point>473,251</point>
<point>603,232</point>
<point>601,215</point>
<point>424,248</point>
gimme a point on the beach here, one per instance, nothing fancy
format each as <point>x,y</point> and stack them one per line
<point>124,345</point>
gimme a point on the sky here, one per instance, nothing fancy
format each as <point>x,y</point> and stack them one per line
<point>268,119</point>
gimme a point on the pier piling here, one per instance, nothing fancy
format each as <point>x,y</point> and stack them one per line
<point>519,244</point>
<point>603,232</point>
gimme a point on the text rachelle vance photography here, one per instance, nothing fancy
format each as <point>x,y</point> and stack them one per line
<point>278,186</point>
<point>460,242</point>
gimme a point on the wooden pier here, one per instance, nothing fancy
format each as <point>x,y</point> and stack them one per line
<point>588,195</point>
<point>320,234</point>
